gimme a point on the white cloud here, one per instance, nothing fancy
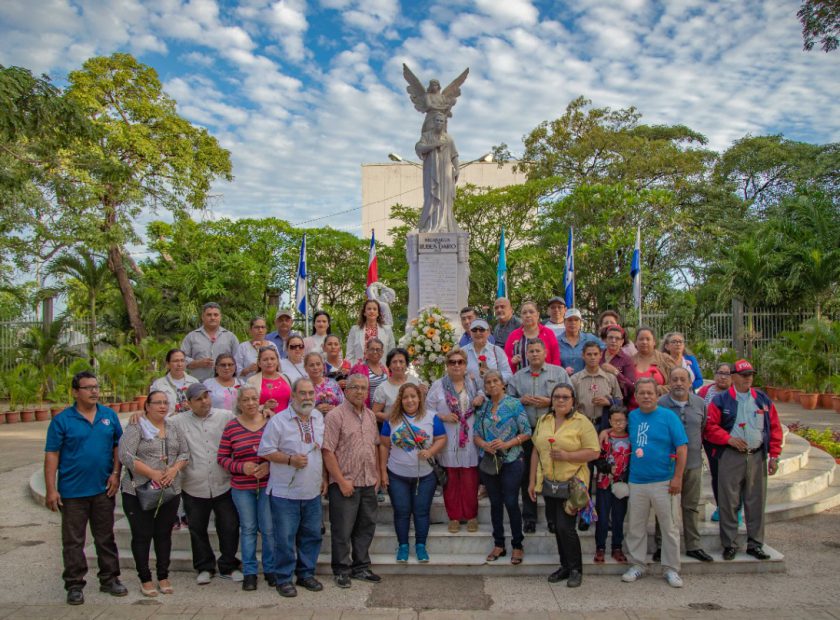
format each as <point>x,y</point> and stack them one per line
<point>300,121</point>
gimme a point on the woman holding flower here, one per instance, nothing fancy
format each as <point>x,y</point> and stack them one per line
<point>453,398</point>
<point>501,428</point>
<point>328,394</point>
<point>175,382</point>
<point>152,450</point>
<point>531,328</point>
<point>409,438</point>
<point>564,443</point>
<point>370,325</point>
<point>238,455</point>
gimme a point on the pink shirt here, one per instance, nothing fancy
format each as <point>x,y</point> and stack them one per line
<point>546,334</point>
<point>277,389</point>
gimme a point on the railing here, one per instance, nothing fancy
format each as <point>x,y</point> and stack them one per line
<point>13,334</point>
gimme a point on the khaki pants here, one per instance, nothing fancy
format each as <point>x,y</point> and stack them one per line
<point>690,505</point>
<point>643,497</point>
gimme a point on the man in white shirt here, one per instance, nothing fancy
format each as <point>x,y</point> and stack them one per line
<point>292,443</point>
<point>556,313</point>
<point>205,487</point>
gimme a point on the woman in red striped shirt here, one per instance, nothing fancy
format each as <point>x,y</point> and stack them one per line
<point>238,454</point>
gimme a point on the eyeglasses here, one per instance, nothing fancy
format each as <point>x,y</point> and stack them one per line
<point>295,347</point>
<point>90,388</point>
<point>478,329</point>
<point>375,349</point>
<point>456,362</point>
<point>562,397</point>
<point>723,374</point>
<point>676,341</point>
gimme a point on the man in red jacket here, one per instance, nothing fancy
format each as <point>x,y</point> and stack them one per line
<point>744,422</point>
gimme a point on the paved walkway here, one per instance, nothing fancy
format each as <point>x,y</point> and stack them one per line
<point>31,567</point>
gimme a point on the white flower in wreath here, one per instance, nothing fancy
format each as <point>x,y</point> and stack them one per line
<point>428,342</point>
<point>437,346</point>
<point>433,358</point>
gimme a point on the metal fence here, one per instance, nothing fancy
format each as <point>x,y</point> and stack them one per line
<point>15,334</point>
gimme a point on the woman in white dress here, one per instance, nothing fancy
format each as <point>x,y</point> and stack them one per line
<point>370,325</point>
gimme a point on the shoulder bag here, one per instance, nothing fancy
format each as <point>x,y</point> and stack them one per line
<point>490,464</point>
<point>439,470</point>
<point>151,495</point>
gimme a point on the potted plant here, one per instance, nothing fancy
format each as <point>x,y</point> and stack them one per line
<point>24,383</point>
<point>809,396</point>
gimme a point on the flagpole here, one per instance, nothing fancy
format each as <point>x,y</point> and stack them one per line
<point>501,268</point>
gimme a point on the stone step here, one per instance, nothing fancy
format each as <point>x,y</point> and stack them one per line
<point>536,565</point>
<point>440,540</point>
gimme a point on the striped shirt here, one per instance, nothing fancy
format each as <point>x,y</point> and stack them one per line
<point>237,447</point>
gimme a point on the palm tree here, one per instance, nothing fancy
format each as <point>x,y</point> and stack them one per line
<point>89,271</point>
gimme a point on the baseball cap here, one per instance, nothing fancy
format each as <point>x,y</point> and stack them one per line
<point>557,300</point>
<point>479,323</point>
<point>743,367</point>
<point>284,312</point>
<point>573,313</point>
<point>196,390</point>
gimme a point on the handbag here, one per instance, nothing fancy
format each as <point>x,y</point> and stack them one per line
<point>439,470</point>
<point>491,464</point>
<point>150,495</point>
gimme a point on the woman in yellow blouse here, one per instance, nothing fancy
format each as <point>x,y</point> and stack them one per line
<point>564,442</point>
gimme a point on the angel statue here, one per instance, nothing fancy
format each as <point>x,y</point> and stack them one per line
<point>432,100</point>
<point>437,151</point>
<point>385,295</point>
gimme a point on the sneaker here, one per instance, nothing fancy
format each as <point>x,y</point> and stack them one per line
<point>632,574</point>
<point>75,596</point>
<point>234,575</point>
<point>673,578</point>
<point>342,581</point>
<point>402,554</point>
<point>310,583</point>
<point>366,575</point>
<point>716,516</point>
<point>203,578</point>
<point>421,553</point>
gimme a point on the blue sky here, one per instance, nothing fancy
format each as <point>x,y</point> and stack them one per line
<point>302,92</point>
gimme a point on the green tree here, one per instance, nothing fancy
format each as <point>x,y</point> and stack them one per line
<point>146,157</point>
<point>820,22</point>
<point>90,275</point>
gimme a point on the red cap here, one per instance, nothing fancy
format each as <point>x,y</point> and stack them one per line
<point>743,367</point>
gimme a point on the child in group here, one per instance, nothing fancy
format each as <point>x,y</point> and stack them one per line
<point>611,484</point>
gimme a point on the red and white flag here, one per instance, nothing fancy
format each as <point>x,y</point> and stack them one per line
<point>373,271</point>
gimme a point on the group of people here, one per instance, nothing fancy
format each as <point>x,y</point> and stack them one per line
<point>257,433</point>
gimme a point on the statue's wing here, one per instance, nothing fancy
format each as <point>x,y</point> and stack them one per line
<point>453,91</point>
<point>415,90</point>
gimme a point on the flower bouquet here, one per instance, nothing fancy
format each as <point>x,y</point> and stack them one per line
<point>428,339</point>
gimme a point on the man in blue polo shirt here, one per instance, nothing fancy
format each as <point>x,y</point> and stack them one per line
<point>82,449</point>
<point>659,449</point>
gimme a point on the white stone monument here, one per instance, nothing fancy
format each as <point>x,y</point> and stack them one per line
<point>438,253</point>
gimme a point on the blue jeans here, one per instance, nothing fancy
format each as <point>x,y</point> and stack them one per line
<point>297,536</point>
<point>254,516</point>
<point>611,511</point>
<point>503,491</point>
<point>411,497</point>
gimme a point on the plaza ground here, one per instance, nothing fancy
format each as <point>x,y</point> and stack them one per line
<point>31,587</point>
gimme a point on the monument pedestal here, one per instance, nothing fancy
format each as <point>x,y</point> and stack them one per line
<point>438,272</point>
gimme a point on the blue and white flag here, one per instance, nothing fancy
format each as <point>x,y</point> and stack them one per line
<point>636,273</point>
<point>501,269</point>
<point>569,271</point>
<point>300,288</point>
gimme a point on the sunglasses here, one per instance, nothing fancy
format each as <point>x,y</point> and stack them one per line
<point>478,329</point>
<point>456,362</point>
<point>295,347</point>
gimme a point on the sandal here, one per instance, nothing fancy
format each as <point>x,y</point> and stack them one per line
<point>165,587</point>
<point>498,552</point>
<point>516,556</point>
<point>150,591</point>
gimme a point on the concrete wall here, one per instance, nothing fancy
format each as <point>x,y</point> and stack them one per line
<point>384,185</point>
